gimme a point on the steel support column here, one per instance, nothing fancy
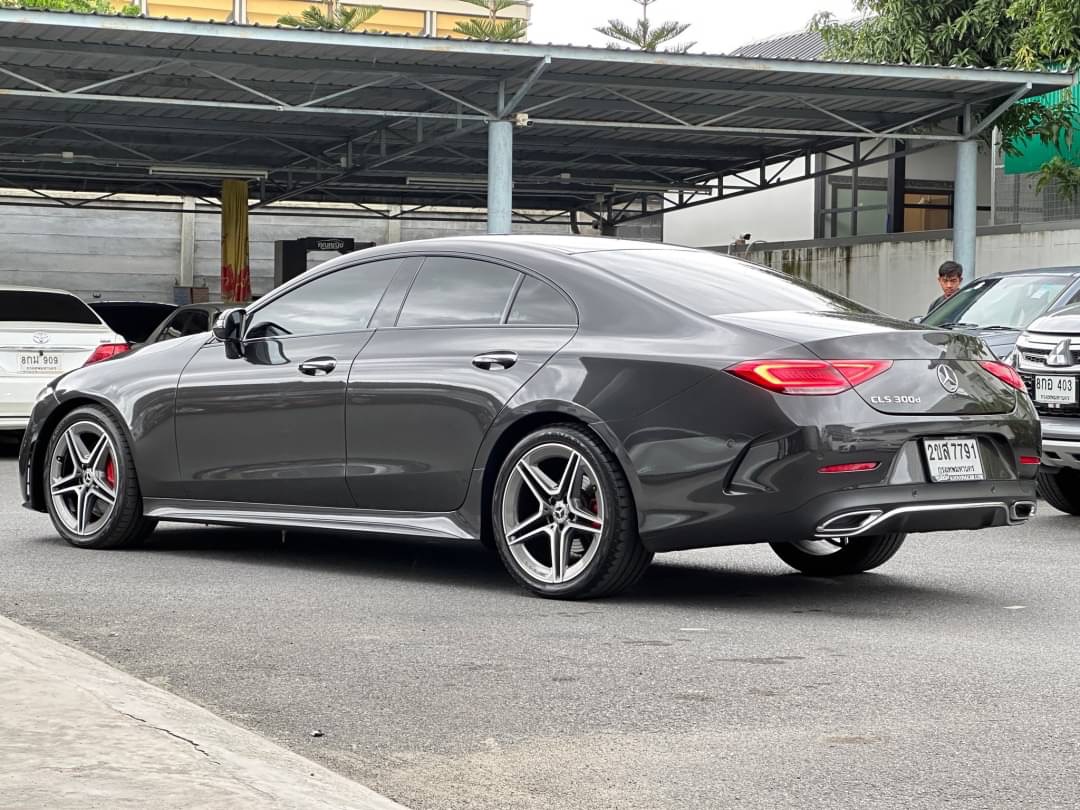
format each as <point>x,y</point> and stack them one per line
<point>965,206</point>
<point>500,200</point>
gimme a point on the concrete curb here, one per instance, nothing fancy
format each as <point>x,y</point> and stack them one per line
<point>77,733</point>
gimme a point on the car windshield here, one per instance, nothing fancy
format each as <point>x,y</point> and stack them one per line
<point>30,305</point>
<point>713,284</point>
<point>1012,302</point>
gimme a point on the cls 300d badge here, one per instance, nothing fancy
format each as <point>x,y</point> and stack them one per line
<point>897,400</point>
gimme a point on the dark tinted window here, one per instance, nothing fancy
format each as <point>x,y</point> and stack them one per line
<point>342,301</point>
<point>458,291</point>
<point>718,285</point>
<point>136,321</point>
<point>23,305</point>
<point>540,303</point>
<point>1012,301</point>
<point>188,322</point>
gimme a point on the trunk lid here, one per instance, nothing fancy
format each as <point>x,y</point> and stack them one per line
<point>45,349</point>
<point>934,372</point>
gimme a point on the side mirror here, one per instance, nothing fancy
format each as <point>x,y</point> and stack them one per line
<point>229,329</point>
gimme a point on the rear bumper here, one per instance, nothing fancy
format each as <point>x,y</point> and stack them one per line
<point>14,422</point>
<point>17,397</point>
<point>960,506</point>
<point>1061,442</point>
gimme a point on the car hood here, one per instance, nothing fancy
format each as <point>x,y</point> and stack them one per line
<point>1067,322</point>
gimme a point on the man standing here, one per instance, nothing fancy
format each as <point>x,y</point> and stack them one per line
<point>949,276</point>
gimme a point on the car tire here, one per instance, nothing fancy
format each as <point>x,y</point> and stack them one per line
<point>1061,489</point>
<point>836,558</point>
<point>563,517</point>
<point>91,489</point>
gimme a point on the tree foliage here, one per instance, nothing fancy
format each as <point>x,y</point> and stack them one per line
<point>331,16</point>
<point>644,35</point>
<point>78,6</point>
<point>1025,34</point>
<point>492,27</point>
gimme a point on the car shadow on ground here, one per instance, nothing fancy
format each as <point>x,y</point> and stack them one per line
<point>671,582</point>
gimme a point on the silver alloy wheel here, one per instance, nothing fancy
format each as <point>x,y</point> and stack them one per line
<point>821,548</point>
<point>84,478</point>
<point>552,513</point>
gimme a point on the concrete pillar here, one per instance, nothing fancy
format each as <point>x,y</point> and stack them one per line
<point>965,206</point>
<point>500,199</point>
<point>186,278</point>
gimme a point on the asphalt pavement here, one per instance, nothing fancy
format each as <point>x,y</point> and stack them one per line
<point>949,679</point>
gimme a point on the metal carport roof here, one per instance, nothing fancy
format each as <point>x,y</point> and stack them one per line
<point>141,105</point>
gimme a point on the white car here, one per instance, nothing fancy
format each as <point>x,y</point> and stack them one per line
<point>44,333</point>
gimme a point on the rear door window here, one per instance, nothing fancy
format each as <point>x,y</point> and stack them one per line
<point>451,291</point>
<point>28,305</point>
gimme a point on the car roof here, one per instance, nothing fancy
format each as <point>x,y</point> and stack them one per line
<point>18,288</point>
<point>1038,271</point>
<point>556,243</point>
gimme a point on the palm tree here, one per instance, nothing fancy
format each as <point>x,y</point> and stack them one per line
<point>331,16</point>
<point>493,28</point>
<point>642,35</point>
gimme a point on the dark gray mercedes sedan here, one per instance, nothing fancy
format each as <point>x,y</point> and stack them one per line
<point>576,404</point>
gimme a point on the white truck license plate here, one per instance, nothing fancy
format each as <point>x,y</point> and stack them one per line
<point>1055,390</point>
<point>953,459</point>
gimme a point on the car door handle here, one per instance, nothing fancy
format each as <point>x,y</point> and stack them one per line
<point>495,360</point>
<point>318,365</point>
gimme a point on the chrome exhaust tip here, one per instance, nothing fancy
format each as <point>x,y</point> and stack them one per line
<point>1022,510</point>
<point>848,523</point>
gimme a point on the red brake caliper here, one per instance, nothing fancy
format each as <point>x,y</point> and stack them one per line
<point>110,473</point>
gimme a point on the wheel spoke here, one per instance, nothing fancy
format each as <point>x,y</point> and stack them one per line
<point>560,550</point>
<point>528,529</point>
<point>66,484</point>
<point>570,476</point>
<point>82,509</point>
<point>80,456</point>
<point>103,493</point>
<point>99,450</point>
<point>592,527</point>
<point>542,487</point>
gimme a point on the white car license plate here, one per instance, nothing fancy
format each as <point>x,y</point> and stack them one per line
<point>38,363</point>
<point>1055,390</point>
<point>954,459</point>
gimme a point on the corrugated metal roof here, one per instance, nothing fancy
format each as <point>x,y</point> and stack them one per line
<point>800,45</point>
<point>90,102</point>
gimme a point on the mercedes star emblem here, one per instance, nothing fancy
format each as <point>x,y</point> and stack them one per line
<point>947,377</point>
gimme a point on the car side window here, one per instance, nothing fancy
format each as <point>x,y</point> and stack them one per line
<point>456,291</point>
<point>342,301</point>
<point>176,327</point>
<point>538,303</point>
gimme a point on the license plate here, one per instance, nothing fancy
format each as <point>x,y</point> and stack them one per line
<point>953,459</point>
<point>38,363</point>
<point>1055,390</point>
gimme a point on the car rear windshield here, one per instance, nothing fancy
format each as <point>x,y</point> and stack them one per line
<point>26,305</point>
<point>713,284</point>
<point>1009,301</point>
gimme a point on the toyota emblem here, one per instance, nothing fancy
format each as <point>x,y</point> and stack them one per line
<point>947,377</point>
<point>41,338</point>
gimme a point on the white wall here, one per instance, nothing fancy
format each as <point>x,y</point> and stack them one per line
<point>899,277</point>
<point>786,214</point>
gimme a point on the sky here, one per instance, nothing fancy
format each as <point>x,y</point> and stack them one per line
<point>719,26</point>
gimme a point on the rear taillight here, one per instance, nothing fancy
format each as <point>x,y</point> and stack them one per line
<point>1030,461</point>
<point>1006,373</point>
<point>809,377</point>
<point>105,351</point>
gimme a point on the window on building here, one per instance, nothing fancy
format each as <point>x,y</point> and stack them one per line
<point>927,207</point>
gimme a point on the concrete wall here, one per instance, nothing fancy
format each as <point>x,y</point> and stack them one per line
<point>135,255</point>
<point>897,275</point>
